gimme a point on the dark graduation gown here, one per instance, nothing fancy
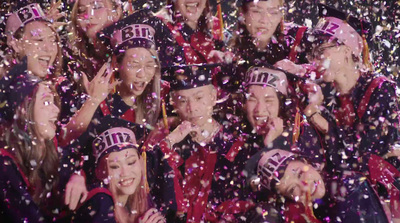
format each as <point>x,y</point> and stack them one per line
<point>376,122</point>
<point>204,180</point>
<point>17,203</point>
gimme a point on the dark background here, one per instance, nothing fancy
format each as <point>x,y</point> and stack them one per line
<point>384,16</point>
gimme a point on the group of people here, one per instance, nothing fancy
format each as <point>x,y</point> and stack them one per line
<point>133,116</point>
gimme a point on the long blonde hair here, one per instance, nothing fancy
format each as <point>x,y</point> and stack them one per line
<point>148,103</point>
<point>79,44</point>
<point>37,160</point>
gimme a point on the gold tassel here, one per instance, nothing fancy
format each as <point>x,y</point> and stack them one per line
<point>164,114</point>
<point>146,184</point>
<point>282,24</point>
<point>221,21</point>
<point>296,127</point>
<point>366,60</point>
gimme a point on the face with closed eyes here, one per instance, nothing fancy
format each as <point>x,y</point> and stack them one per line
<point>94,15</point>
<point>125,171</point>
<point>298,180</point>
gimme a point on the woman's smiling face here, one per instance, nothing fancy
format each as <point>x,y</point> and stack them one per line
<point>125,171</point>
<point>299,179</point>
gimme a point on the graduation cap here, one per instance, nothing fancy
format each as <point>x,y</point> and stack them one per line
<point>14,87</point>
<point>347,29</point>
<point>110,134</point>
<point>142,29</point>
<point>133,31</point>
<point>185,77</point>
<point>271,167</point>
<point>265,76</point>
<point>24,13</point>
<point>240,3</point>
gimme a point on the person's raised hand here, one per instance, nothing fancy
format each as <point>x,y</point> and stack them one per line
<point>99,88</point>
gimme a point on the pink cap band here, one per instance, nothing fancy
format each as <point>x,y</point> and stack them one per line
<point>133,31</point>
<point>111,138</point>
<point>268,77</point>
<point>22,17</point>
<point>269,164</point>
<point>342,31</point>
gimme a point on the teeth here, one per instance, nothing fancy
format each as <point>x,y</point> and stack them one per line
<point>47,59</point>
<point>261,118</point>
<point>126,182</point>
<point>191,5</point>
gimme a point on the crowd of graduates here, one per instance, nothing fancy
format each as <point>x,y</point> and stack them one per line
<point>126,115</point>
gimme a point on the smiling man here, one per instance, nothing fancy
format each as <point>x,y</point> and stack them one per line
<point>205,157</point>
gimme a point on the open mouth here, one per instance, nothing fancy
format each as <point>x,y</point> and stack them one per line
<point>261,119</point>
<point>192,7</point>
<point>52,123</point>
<point>126,182</point>
<point>44,61</point>
<point>138,85</point>
<point>314,187</point>
<point>261,30</point>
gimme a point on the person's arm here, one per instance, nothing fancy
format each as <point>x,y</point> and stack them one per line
<point>98,208</point>
<point>16,202</point>
<point>98,89</point>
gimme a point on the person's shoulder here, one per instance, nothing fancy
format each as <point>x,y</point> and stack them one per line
<point>99,196</point>
<point>380,86</point>
<point>6,158</point>
<point>290,29</point>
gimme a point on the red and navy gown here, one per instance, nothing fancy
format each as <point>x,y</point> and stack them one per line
<point>372,127</point>
<point>17,204</point>
<point>201,182</point>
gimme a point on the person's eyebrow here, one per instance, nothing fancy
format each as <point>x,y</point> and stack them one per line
<point>268,96</point>
<point>199,92</point>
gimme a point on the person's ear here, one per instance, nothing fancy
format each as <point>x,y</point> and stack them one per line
<point>347,53</point>
<point>116,13</point>
<point>213,95</point>
<point>241,19</point>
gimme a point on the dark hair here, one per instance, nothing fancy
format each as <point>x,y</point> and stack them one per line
<point>242,41</point>
<point>205,23</point>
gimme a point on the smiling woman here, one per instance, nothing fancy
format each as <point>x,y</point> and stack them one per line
<point>28,161</point>
<point>120,192</point>
<point>34,37</point>
<point>88,18</point>
<point>195,30</point>
<point>346,197</point>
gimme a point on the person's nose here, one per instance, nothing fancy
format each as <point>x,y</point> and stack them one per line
<point>141,73</point>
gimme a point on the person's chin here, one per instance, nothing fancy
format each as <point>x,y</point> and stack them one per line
<point>41,73</point>
<point>92,34</point>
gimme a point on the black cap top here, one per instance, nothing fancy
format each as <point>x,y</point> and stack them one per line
<point>109,134</point>
<point>360,25</point>
<point>136,30</point>
<point>14,87</point>
<point>185,77</point>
